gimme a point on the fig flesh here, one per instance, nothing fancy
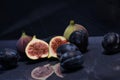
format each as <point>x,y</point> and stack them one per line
<point>8,58</point>
<point>22,42</point>
<point>111,42</point>
<point>57,70</point>
<point>36,49</point>
<point>71,28</point>
<point>65,48</point>
<point>55,42</point>
<point>42,72</point>
<point>80,39</point>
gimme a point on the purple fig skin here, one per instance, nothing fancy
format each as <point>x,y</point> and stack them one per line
<point>22,42</point>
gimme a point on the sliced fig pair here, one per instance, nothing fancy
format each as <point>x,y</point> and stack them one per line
<point>38,48</point>
<point>43,72</point>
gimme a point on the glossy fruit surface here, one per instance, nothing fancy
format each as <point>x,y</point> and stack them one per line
<point>80,39</point>
<point>71,60</point>
<point>111,42</point>
<point>55,42</point>
<point>8,58</point>
<point>65,48</point>
<point>36,49</point>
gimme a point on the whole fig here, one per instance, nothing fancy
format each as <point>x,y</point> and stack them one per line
<point>22,42</point>
<point>73,27</point>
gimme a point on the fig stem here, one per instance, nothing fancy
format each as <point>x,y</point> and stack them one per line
<point>34,36</point>
<point>23,34</point>
<point>72,22</point>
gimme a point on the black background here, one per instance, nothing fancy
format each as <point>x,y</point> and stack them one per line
<point>50,17</point>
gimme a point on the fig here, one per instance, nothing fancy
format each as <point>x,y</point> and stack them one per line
<point>9,58</point>
<point>71,60</point>
<point>22,42</point>
<point>42,72</point>
<point>54,43</point>
<point>37,49</point>
<point>71,28</point>
<point>80,39</point>
<point>66,47</point>
<point>57,70</point>
<point>111,42</point>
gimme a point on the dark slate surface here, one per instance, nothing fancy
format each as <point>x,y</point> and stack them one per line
<point>97,66</point>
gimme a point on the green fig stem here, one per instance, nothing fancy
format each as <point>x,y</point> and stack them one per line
<point>72,22</point>
<point>34,37</point>
<point>23,34</point>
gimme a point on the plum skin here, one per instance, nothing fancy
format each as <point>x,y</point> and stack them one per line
<point>66,47</point>
<point>80,39</point>
<point>9,58</point>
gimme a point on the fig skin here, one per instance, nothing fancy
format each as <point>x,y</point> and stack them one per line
<point>65,48</point>
<point>22,42</point>
<point>71,60</point>
<point>9,58</point>
<point>80,39</point>
<point>37,49</point>
<point>111,42</point>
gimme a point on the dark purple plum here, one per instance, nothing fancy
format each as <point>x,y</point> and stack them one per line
<point>111,42</point>
<point>8,58</point>
<point>80,39</point>
<point>71,60</point>
<point>66,47</point>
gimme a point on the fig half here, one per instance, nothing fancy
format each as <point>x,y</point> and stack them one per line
<point>37,48</point>
<point>57,70</point>
<point>55,42</point>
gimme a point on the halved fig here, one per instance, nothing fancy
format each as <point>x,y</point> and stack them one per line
<point>55,42</point>
<point>57,70</point>
<point>42,72</point>
<point>37,48</point>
